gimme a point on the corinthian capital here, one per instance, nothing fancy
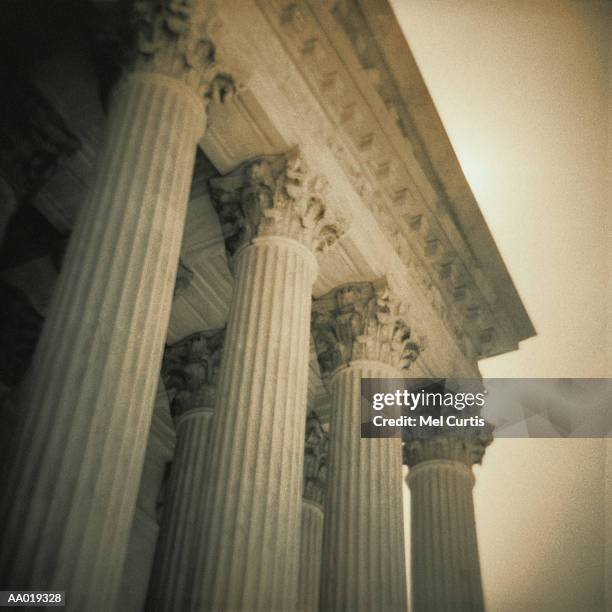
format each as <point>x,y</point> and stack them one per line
<point>463,440</point>
<point>361,321</point>
<point>173,37</point>
<point>315,459</point>
<point>274,195</point>
<point>468,449</point>
<point>189,371</point>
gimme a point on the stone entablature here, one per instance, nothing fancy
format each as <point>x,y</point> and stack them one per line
<point>387,168</point>
<point>362,321</point>
<point>275,195</point>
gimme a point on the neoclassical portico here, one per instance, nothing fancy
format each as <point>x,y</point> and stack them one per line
<point>238,265</point>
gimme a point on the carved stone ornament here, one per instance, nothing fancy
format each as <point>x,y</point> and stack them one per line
<point>315,459</point>
<point>361,321</point>
<point>468,448</point>
<point>173,38</point>
<point>464,439</point>
<point>190,369</point>
<point>274,196</point>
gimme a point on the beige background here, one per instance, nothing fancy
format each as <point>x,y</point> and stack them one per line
<point>523,89</point>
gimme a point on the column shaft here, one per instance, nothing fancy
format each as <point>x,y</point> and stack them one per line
<point>95,372</point>
<point>311,540</point>
<point>445,563</point>
<point>250,540</point>
<point>363,564</point>
<point>172,574</point>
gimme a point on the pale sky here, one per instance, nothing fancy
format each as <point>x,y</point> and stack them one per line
<point>523,90</point>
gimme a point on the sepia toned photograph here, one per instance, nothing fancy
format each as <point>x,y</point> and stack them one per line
<point>305,305</point>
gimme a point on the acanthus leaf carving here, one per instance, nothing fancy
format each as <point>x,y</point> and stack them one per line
<point>315,459</point>
<point>190,369</point>
<point>467,449</point>
<point>362,321</point>
<point>464,443</point>
<point>275,195</point>
<point>174,38</point>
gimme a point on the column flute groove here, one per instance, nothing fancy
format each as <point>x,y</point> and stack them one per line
<point>189,372</point>
<point>360,333</point>
<point>274,220</point>
<point>89,398</point>
<point>445,563</point>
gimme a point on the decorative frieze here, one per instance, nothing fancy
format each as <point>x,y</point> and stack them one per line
<point>315,459</point>
<point>275,195</point>
<point>414,216</point>
<point>362,321</point>
<point>189,371</point>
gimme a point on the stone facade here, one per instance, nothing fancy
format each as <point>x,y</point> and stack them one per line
<point>241,209</point>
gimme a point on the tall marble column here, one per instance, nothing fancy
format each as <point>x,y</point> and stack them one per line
<point>445,563</point>
<point>94,375</point>
<point>272,212</point>
<point>360,333</point>
<point>189,371</point>
<point>311,537</point>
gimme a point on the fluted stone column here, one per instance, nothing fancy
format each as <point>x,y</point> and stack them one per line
<point>94,375</point>
<point>311,538</point>
<point>189,371</point>
<point>445,563</point>
<point>360,333</point>
<point>272,212</point>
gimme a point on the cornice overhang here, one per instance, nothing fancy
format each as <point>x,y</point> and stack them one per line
<point>432,147</point>
<point>359,65</point>
<point>300,82</point>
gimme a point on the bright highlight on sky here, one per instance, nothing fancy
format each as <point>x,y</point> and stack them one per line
<point>523,90</point>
